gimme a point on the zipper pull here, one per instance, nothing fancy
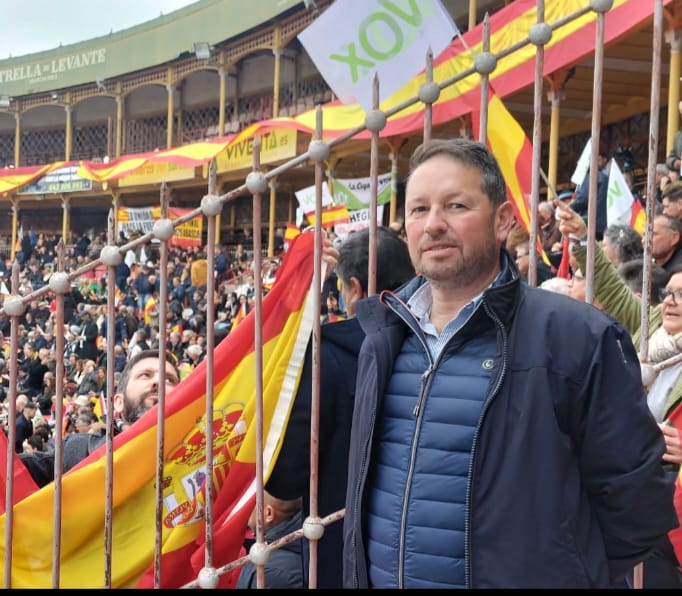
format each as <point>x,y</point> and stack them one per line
<point>422,392</point>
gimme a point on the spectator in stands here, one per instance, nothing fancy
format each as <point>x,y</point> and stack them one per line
<point>34,368</point>
<point>144,286</point>
<point>632,273</point>
<point>622,243</point>
<point>549,232</point>
<point>666,244</point>
<point>340,344</point>
<point>136,393</point>
<point>334,312</point>
<point>664,395</point>
<point>87,348</point>
<point>45,398</point>
<point>580,202</point>
<point>671,204</point>
<point>283,569</point>
<point>221,263</point>
<point>24,427</point>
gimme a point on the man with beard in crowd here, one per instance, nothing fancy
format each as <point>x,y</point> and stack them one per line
<point>137,392</point>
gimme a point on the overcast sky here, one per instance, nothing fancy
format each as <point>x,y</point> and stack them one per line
<point>30,26</point>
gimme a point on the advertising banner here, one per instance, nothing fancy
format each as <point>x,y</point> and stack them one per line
<point>141,219</point>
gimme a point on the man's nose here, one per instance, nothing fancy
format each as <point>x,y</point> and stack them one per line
<point>434,221</point>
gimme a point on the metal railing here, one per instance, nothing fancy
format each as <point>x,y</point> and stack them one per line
<point>59,284</point>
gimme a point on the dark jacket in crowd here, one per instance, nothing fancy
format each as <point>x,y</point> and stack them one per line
<point>339,347</point>
<point>283,569</point>
<point>546,499</point>
<point>582,194</point>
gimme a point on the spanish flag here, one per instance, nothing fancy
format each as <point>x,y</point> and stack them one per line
<point>286,326</point>
<point>332,215</point>
<point>290,233</point>
<point>24,485</point>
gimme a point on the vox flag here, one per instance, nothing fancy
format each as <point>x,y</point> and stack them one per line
<point>621,207</point>
<point>354,39</point>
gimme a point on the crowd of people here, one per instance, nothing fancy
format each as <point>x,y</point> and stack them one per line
<point>480,432</point>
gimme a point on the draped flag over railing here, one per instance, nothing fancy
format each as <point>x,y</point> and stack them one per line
<point>514,153</point>
<point>286,326</point>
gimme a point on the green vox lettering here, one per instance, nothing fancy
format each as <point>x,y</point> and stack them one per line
<point>385,49</point>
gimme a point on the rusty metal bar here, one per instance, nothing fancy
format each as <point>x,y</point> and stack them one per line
<point>109,473</point>
<point>258,348</point>
<point>654,117</point>
<point>316,342</point>
<point>210,360</point>
<point>485,83</point>
<point>537,145</point>
<point>16,311</point>
<point>594,170</point>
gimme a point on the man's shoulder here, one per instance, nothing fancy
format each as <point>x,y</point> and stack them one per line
<point>78,446</point>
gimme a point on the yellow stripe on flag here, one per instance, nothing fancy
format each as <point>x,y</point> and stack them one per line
<point>291,232</point>
<point>330,216</point>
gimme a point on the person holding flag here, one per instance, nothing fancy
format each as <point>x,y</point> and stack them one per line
<point>663,381</point>
<point>580,201</point>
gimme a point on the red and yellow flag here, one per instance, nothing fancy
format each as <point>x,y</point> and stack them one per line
<point>24,485</point>
<point>638,217</point>
<point>331,216</point>
<point>291,232</point>
<point>286,326</point>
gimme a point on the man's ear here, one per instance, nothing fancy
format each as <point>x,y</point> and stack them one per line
<point>118,403</point>
<point>268,515</point>
<point>504,220</point>
<point>357,293</point>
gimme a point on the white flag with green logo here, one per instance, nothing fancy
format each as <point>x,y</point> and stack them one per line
<point>354,193</point>
<point>619,198</point>
<point>354,39</point>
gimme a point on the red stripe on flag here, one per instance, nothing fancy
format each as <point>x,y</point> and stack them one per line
<point>24,485</point>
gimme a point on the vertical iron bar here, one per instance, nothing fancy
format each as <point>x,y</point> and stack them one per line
<point>209,357</point>
<point>537,148</point>
<point>60,348</point>
<point>594,169</point>
<point>162,308</point>
<point>651,173</point>
<point>315,397</point>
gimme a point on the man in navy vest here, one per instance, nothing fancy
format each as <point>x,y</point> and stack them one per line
<point>501,436</point>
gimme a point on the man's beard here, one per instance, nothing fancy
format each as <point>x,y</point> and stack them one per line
<point>466,270</point>
<point>132,412</point>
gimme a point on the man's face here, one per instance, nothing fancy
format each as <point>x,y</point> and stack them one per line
<point>610,251</point>
<point>664,238</point>
<point>453,232</point>
<point>672,207</point>
<point>142,391</point>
